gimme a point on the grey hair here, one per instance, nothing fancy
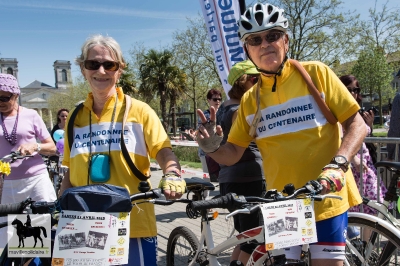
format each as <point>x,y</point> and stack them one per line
<point>105,41</point>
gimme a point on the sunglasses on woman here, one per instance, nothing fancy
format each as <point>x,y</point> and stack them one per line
<point>270,38</point>
<point>6,99</point>
<point>95,65</point>
<point>355,90</point>
<point>216,99</point>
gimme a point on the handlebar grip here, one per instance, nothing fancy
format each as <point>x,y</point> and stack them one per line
<point>13,208</point>
<point>42,207</point>
<point>229,201</point>
<point>220,202</point>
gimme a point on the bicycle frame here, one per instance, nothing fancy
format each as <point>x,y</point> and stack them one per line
<point>256,234</point>
<point>383,211</point>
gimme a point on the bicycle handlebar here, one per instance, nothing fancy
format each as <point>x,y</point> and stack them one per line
<point>233,201</point>
<point>13,156</point>
<point>14,208</point>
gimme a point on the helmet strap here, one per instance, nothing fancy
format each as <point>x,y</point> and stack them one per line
<point>278,73</point>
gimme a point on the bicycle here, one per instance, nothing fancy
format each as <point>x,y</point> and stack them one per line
<point>56,171</point>
<point>184,248</point>
<point>41,207</point>
<point>379,239</point>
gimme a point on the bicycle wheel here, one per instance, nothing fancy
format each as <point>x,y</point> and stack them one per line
<point>181,247</point>
<point>376,244</point>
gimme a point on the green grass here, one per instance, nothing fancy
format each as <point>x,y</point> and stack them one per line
<point>379,134</point>
<point>187,156</point>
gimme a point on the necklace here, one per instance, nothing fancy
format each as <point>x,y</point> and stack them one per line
<point>13,138</point>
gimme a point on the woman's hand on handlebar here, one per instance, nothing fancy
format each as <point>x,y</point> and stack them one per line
<point>27,148</point>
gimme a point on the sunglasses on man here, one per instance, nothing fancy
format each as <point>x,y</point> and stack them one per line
<point>355,90</point>
<point>270,38</point>
<point>95,65</point>
<point>6,99</point>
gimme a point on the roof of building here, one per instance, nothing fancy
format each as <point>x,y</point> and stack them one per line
<point>36,84</point>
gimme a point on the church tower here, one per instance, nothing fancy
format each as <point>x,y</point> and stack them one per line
<point>9,66</point>
<point>62,71</point>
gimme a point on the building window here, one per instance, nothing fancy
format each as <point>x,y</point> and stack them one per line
<point>10,71</point>
<point>44,96</point>
<point>64,75</point>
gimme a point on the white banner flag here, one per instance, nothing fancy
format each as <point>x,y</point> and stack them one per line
<point>220,17</point>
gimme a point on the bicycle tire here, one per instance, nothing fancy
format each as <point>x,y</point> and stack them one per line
<point>181,247</point>
<point>385,244</point>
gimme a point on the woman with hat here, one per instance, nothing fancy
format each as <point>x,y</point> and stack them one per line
<point>246,176</point>
<point>23,130</point>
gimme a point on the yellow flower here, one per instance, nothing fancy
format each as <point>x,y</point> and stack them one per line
<point>5,168</point>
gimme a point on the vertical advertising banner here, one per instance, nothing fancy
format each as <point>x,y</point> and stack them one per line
<point>221,17</point>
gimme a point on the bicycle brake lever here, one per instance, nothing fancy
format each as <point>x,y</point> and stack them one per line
<point>321,197</point>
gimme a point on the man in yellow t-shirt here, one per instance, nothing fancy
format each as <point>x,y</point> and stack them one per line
<point>296,140</point>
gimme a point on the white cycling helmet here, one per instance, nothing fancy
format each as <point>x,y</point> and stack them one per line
<point>261,17</point>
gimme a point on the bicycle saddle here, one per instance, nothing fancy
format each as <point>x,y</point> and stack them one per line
<point>198,183</point>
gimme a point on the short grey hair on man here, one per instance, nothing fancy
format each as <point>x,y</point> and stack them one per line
<point>105,41</point>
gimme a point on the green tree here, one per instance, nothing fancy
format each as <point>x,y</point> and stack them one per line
<point>198,62</point>
<point>127,81</point>
<point>319,30</point>
<point>382,28</point>
<point>69,98</point>
<point>374,74</point>
<point>157,78</point>
<point>176,87</point>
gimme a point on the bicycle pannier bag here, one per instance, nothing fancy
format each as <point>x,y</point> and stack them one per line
<point>96,198</point>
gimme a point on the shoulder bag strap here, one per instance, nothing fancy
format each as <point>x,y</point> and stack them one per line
<point>124,150</point>
<point>315,93</point>
<point>70,127</point>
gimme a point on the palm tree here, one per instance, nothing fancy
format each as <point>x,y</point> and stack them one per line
<point>158,76</point>
<point>176,87</point>
<point>127,81</point>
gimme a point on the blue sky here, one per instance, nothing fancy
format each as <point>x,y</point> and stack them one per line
<point>39,32</point>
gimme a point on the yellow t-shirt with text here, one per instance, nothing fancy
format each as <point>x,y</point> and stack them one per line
<point>144,137</point>
<point>294,137</point>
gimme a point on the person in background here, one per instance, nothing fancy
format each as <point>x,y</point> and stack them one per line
<point>23,130</point>
<point>299,141</point>
<point>394,128</point>
<point>101,64</point>
<point>62,115</point>
<point>370,179</point>
<point>214,99</point>
<point>245,177</point>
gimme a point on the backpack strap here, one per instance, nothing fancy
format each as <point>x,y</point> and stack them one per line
<point>70,127</point>
<point>315,93</point>
<point>124,150</point>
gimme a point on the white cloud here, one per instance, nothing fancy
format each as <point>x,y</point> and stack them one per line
<point>81,7</point>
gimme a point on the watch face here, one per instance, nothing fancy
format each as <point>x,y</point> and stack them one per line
<point>340,159</point>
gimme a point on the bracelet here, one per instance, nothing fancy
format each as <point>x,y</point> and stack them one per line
<point>174,172</point>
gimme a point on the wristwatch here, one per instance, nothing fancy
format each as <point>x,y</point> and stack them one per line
<point>38,147</point>
<point>341,161</point>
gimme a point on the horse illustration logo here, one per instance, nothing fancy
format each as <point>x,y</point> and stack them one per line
<point>24,231</point>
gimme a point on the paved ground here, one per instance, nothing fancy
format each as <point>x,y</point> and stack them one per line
<point>170,217</point>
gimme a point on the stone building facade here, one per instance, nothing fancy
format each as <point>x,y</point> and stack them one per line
<point>36,94</point>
